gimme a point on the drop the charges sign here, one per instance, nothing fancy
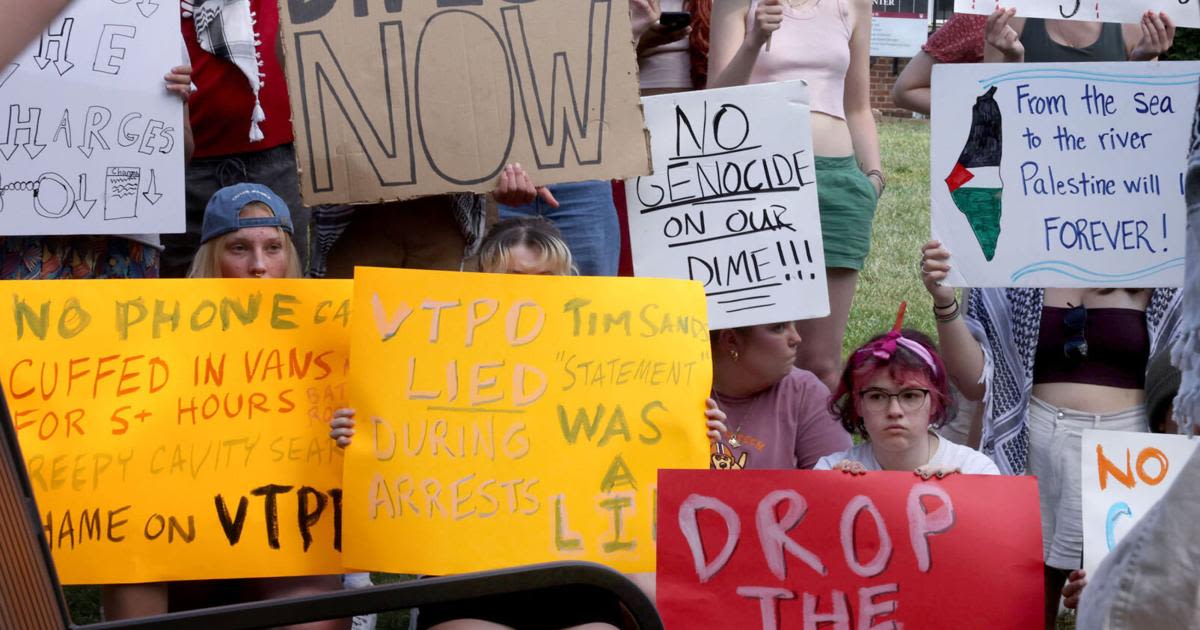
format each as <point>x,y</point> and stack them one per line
<point>799,549</point>
<point>394,99</point>
<point>90,140</point>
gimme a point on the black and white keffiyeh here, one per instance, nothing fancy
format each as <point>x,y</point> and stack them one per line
<point>1186,352</point>
<point>226,29</point>
<point>1006,324</point>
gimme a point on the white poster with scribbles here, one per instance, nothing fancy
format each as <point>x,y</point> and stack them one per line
<point>1184,13</point>
<point>90,140</point>
<point>1062,175</point>
<point>732,202</point>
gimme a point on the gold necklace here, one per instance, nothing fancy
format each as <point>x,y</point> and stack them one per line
<point>1068,41</point>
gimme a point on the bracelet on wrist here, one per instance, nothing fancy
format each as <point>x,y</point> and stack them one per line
<point>947,313</point>
<point>878,174</point>
<point>945,319</point>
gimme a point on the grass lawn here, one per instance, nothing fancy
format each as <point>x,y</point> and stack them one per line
<point>892,272</point>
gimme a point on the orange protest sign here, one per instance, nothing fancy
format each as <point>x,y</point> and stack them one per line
<point>178,429</point>
<point>505,420</point>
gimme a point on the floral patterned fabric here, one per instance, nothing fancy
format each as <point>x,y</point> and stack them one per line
<point>75,257</point>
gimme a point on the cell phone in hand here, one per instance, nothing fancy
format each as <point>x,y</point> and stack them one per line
<point>675,20</point>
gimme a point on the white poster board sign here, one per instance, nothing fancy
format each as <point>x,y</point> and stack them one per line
<point>899,27</point>
<point>732,202</point>
<point>1124,475</point>
<point>90,140</point>
<point>1062,175</point>
<point>1182,12</point>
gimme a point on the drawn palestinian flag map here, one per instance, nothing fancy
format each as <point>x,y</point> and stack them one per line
<point>975,184</point>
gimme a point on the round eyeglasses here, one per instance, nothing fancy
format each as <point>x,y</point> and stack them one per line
<point>876,399</point>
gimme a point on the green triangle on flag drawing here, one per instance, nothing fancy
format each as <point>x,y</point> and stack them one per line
<point>982,208</point>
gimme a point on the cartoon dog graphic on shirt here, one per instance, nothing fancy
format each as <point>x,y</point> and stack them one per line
<point>723,459</point>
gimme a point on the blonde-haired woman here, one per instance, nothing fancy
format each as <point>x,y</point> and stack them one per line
<point>247,233</point>
<point>526,245</point>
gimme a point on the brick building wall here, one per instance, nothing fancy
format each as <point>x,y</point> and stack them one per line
<point>882,79</point>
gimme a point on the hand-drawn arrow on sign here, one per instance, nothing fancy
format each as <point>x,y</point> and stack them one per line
<point>147,7</point>
<point>152,195</point>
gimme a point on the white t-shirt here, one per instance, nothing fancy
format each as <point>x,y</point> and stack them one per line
<point>966,459</point>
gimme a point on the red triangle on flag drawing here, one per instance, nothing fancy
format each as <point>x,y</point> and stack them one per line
<point>959,176</point>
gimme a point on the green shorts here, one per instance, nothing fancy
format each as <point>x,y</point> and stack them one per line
<point>847,201</point>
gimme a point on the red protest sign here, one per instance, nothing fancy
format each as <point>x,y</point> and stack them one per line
<point>776,549</point>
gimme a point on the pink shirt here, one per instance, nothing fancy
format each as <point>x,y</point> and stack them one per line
<point>813,44</point>
<point>667,66</point>
<point>786,426</point>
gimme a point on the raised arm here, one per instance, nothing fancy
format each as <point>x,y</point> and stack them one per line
<point>960,350</point>
<point>913,87</point>
<point>734,50</point>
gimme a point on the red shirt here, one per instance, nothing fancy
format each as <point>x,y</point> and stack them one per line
<point>959,40</point>
<point>223,102</point>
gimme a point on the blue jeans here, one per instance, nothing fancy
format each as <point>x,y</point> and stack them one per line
<point>587,219</point>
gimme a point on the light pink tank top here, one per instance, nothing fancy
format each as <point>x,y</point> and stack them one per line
<point>813,44</point>
<point>668,66</point>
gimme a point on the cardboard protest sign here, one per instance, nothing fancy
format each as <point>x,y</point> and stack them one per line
<point>506,420</point>
<point>899,27</point>
<point>396,100</point>
<point>178,429</point>
<point>90,140</point>
<point>795,549</point>
<point>1065,175</point>
<point>1124,474</point>
<point>1182,12</point>
<point>732,202</point>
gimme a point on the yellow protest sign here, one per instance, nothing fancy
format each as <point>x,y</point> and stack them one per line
<point>505,419</point>
<point>178,429</point>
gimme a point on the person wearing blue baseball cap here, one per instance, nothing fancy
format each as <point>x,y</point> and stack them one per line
<point>246,233</point>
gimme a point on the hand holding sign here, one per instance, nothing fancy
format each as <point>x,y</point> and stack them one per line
<point>1158,34</point>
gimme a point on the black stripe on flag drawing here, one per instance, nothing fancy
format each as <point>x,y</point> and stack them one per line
<point>974,182</point>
